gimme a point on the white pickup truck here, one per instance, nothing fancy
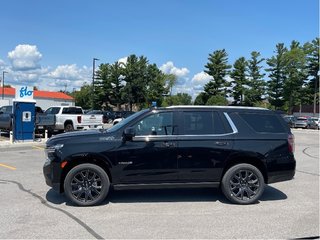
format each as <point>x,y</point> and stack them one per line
<point>70,118</point>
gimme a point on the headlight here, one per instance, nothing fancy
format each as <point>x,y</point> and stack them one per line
<point>52,149</point>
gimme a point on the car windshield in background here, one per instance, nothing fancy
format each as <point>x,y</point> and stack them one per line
<point>125,121</point>
<point>302,119</point>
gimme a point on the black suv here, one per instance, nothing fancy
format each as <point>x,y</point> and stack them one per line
<point>236,148</point>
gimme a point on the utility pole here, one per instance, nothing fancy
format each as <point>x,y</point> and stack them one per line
<point>93,78</point>
<point>3,72</point>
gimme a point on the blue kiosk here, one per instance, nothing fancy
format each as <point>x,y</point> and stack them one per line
<point>23,114</point>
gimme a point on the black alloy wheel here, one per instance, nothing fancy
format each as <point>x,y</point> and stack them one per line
<point>86,184</point>
<point>243,184</point>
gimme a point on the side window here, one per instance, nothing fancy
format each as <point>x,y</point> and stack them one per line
<point>155,124</point>
<point>202,123</point>
<point>53,110</point>
<point>263,122</point>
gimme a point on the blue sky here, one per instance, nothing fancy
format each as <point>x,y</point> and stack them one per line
<point>58,39</point>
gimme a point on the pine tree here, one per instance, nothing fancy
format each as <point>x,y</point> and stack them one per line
<point>256,83</point>
<point>238,74</point>
<point>218,68</point>
<point>277,75</point>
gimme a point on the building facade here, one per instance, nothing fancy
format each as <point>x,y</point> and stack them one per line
<point>44,99</point>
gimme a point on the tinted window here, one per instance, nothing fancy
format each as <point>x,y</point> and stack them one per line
<point>202,123</point>
<point>263,122</point>
<point>72,110</point>
<point>53,110</point>
<point>6,109</point>
<point>155,124</point>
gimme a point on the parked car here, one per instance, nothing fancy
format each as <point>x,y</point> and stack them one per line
<point>238,149</point>
<point>70,118</point>
<point>290,119</point>
<point>108,116</point>
<point>119,116</point>
<point>316,120</point>
<point>305,122</point>
<point>42,120</point>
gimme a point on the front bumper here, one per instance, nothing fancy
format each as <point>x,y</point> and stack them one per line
<point>51,172</point>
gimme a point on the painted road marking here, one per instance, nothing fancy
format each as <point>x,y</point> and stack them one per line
<point>36,147</point>
<point>7,166</point>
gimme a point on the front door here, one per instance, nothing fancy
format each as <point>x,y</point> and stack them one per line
<point>151,156</point>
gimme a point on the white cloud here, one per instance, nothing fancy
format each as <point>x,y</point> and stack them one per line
<point>123,60</point>
<point>201,78</point>
<point>65,72</point>
<point>25,57</point>
<point>169,68</point>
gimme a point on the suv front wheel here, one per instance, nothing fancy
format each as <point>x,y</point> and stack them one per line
<point>243,184</point>
<point>86,184</point>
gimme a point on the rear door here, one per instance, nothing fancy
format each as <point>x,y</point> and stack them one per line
<point>204,144</point>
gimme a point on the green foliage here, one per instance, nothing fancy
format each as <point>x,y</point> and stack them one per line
<point>311,50</point>
<point>83,97</point>
<point>218,68</point>
<point>238,75</point>
<point>294,90</point>
<point>256,85</point>
<point>277,74</point>
<point>201,99</point>
<point>217,100</point>
<point>179,99</point>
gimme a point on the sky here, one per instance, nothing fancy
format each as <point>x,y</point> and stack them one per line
<point>51,44</point>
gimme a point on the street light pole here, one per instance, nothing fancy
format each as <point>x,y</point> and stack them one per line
<point>3,72</point>
<point>93,77</point>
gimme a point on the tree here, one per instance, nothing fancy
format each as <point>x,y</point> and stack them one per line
<point>171,80</point>
<point>218,68</point>
<point>277,75</point>
<point>217,101</point>
<point>312,61</point>
<point>256,84</point>
<point>294,91</point>
<point>135,72</point>
<point>201,99</point>
<point>156,81</point>
<point>83,97</point>
<point>112,83</point>
<point>239,80</point>
<point>179,99</point>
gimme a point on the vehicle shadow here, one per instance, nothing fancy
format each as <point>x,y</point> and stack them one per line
<point>167,195</point>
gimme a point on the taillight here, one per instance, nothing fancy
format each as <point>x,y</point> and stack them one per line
<point>79,119</point>
<point>291,143</point>
<point>104,119</point>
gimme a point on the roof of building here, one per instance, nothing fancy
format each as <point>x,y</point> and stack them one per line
<point>39,94</point>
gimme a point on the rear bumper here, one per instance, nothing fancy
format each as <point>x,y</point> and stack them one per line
<point>281,176</point>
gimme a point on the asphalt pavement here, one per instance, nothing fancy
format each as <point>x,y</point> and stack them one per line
<point>30,209</point>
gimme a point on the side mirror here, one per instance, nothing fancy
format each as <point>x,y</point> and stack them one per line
<point>129,133</point>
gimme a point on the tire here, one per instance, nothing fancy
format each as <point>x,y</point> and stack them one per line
<point>243,184</point>
<point>68,127</point>
<point>86,185</point>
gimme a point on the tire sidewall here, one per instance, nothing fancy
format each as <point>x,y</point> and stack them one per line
<point>99,171</point>
<point>228,175</point>
<point>68,127</point>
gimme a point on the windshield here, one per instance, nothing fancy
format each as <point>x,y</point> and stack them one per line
<point>126,120</point>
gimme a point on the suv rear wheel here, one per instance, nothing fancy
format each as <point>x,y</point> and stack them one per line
<point>243,184</point>
<point>86,184</point>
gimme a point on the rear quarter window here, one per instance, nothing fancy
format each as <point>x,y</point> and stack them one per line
<point>264,123</point>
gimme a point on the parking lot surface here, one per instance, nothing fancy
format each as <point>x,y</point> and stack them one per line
<point>29,209</point>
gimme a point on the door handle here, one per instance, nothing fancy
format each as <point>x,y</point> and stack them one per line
<point>168,144</point>
<point>221,143</point>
